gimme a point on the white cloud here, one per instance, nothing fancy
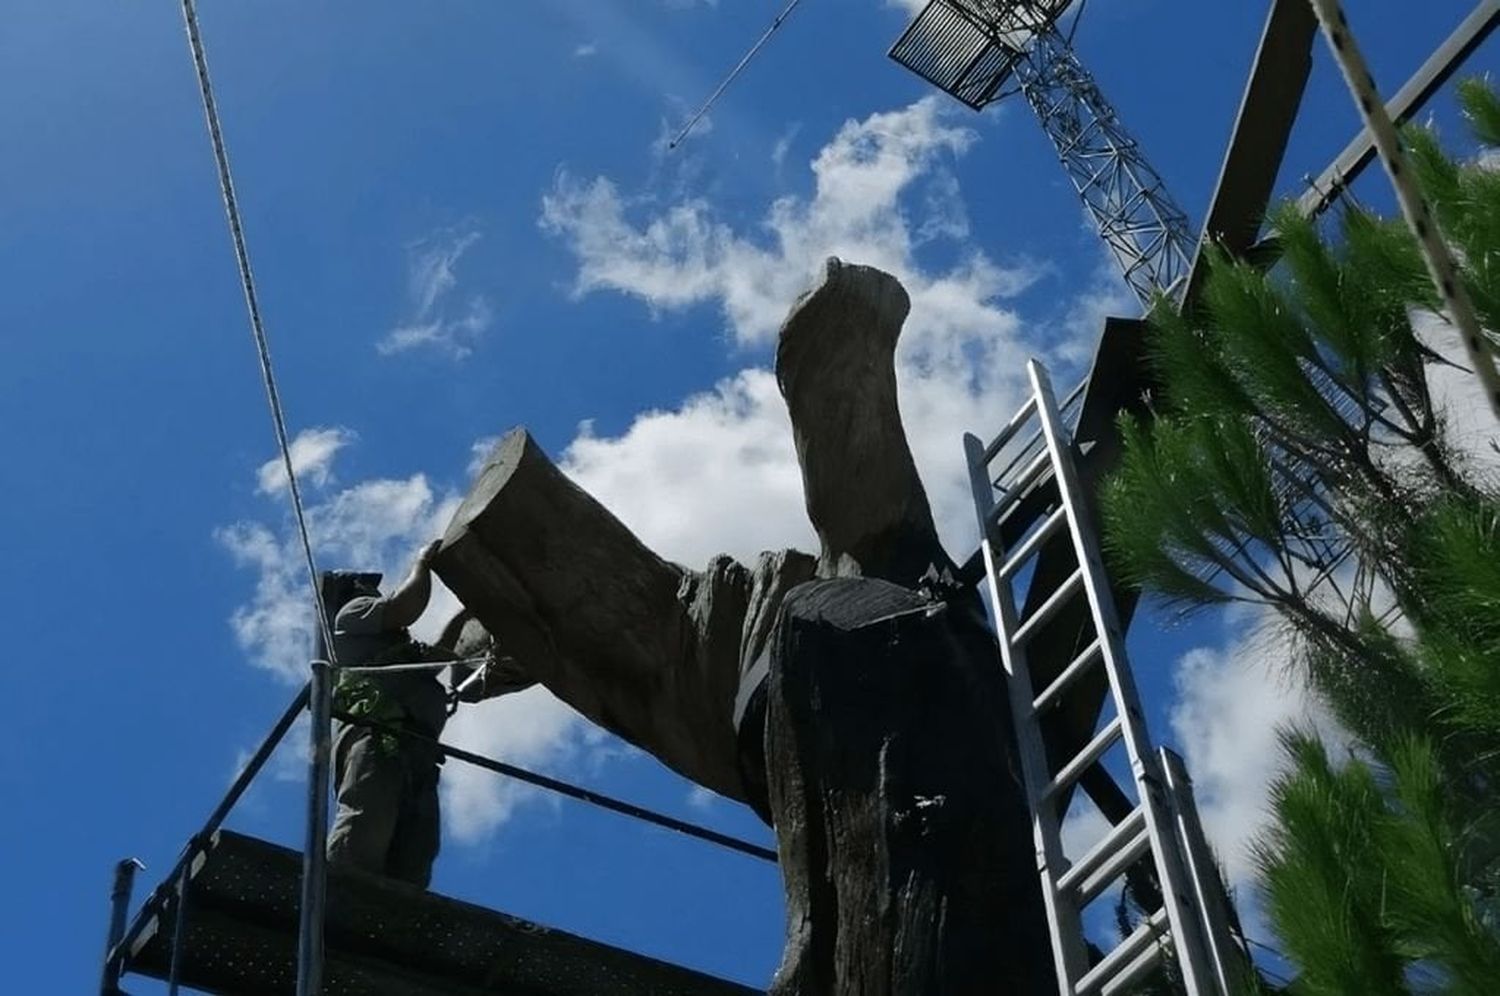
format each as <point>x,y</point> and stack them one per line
<point>1458,394</point>
<point>372,525</point>
<point>1231,700</point>
<point>685,256</point>
<point>716,472</point>
<point>379,525</point>
<point>718,475</point>
<point>479,452</point>
<point>784,145</point>
<point>586,50</point>
<point>719,472</point>
<point>671,129</point>
<point>531,729</point>
<point>1231,703</point>
<point>312,453</point>
<point>288,761</point>
<point>430,270</point>
<point>431,281</point>
<point>702,799</point>
<point>452,335</point>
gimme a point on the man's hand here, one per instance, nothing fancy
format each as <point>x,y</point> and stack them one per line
<point>501,675</point>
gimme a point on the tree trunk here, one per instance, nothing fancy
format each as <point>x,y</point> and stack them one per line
<point>643,647</point>
<point>878,746</point>
<point>904,839</point>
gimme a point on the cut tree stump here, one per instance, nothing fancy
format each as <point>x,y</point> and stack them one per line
<point>901,821</point>
<point>876,744</point>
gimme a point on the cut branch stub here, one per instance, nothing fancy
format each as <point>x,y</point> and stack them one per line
<point>836,364</point>
<point>618,633</point>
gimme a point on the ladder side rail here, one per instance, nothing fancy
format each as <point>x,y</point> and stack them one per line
<point>1231,962</point>
<point>1191,955</point>
<point>1069,953</point>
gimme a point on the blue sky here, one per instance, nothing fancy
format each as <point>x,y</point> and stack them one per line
<point>462,218</point>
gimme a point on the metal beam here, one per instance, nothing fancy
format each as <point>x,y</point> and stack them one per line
<point>1257,146</point>
<point>1268,110</point>
<point>1410,99</point>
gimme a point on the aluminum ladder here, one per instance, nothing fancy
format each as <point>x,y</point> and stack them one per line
<point>1163,825</point>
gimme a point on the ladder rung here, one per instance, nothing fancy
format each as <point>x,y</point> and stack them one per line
<point>1124,981</point>
<point>1011,428</point>
<point>1049,608</point>
<point>1060,684</point>
<point>1135,955</point>
<point>1076,767</point>
<point>1107,860</point>
<point>1035,540</point>
<point>1013,489</point>
<point>1020,454</point>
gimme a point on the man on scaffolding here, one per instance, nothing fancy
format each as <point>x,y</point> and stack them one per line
<point>387,821</point>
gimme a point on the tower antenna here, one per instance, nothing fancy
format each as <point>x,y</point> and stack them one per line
<point>980,51</point>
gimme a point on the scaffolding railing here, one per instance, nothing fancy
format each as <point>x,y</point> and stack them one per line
<point>316,696</point>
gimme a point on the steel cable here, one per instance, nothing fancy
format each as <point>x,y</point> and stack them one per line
<point>252,304</point>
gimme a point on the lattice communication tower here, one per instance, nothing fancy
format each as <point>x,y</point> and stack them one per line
<point>981,51</point>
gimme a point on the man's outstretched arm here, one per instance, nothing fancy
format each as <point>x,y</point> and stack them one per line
<point>407,603</point>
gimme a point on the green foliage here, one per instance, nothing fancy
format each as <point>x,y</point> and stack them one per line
<point>1321,875</point>
<point>1457,563</point>
<point>1365,876</point>
<point>1296,452</point>
<point>1296,460</point>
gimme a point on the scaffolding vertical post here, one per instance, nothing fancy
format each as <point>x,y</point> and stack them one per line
<point>315,853</point>
<point>119,908</point>
<point>179,919</point>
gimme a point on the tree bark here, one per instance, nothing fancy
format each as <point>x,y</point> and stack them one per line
<point>903,833</point>
<point>836,364</point>
<point>878,746</point>
<point>645,648</point>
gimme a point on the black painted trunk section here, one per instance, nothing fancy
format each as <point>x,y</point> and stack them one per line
<point>903,831</point>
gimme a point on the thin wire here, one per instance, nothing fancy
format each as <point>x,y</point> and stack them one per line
<point>257,328</point>
<point>563,788</point>
<point>1077,16</point>
<point>1275,977</point>
<point>1263,946</point>
<point>733,74</point>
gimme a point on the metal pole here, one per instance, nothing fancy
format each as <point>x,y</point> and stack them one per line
<point>1441,267</point>
<point>562,788</point>
<point>119,907</point>
<point>315,850</point>
<point>1426,81</point>
<point>241,784</point>
<point>315,855</point>
<point>179,923</point>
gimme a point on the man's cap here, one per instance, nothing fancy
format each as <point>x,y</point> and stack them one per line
<point>340,586</point>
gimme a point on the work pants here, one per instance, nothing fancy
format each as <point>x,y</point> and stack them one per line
<point>387,819</point>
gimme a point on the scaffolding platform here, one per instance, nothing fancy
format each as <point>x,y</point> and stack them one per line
<point>384,938</point>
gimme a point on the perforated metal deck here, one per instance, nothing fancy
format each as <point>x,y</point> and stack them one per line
<point>383,938</point>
